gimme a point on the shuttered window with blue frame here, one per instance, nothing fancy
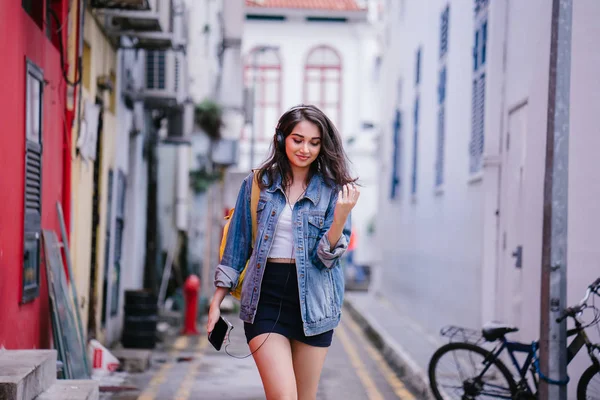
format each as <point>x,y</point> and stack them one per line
<point>397,156</point>
<point>476,145</point>
<point>415,147</point>
<point>441,129</point>
<point>442,79</point>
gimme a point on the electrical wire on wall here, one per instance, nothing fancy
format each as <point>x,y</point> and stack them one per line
<point>78,71</point>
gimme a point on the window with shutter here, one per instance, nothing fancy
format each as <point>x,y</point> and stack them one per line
<point>33,182</point>
<point>155,69</point>
<point>444,26</point>
<point>418,68</point>
<point>415,148</point>
<point>439,164</point>
<point>396,157</point>
<point>441,117</point>
<point>477,141</point>
<point>477,124</point>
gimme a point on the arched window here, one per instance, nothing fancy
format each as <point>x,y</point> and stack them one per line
<point>262,71</point>
<point>323,81</point>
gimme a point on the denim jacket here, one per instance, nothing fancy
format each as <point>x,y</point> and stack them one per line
<point>320,276</point>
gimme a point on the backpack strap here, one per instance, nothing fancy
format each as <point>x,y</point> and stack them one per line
<point>255,195</point>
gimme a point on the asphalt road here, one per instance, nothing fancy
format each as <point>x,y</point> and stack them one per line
<point>192,369</point>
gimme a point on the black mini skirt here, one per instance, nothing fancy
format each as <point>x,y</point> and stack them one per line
<point>276,293</point>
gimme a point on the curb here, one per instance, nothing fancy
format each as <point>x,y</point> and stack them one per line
<point>394,354</point>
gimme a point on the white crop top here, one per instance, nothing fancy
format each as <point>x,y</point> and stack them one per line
<point>283,242</point>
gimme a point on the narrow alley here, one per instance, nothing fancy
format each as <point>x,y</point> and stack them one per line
<point>191,369</point>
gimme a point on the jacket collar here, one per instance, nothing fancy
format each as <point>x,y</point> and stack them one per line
<point>313,191</point>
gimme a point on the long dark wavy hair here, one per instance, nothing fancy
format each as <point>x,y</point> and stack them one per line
<point>332,161</point>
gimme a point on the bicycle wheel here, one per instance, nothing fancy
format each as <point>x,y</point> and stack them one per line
<point>462,378</point>
<point>588,387</point>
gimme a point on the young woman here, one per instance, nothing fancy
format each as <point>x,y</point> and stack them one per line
<point>293,289</point>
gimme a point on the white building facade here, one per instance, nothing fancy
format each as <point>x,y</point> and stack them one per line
<point>215,74</point>
<point>318,53</point>
<point>150,85</point>
<point>464,104</point>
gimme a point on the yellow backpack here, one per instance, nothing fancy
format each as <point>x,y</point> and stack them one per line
<point>255,195</point>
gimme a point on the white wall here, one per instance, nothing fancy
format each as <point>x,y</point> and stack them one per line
<point>167,170</point>
<point>584,185</point>
<point>443,256</point>
<point>204,34</point>
<point>122,163</point>
<point>136,215</point>
<point>357,46</point>
<point>432,243</point>
<point>295,39</point>
<point>528,44</point>
<point>526,80</point>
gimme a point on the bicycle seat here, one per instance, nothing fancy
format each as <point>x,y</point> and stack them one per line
<point>492,331</point>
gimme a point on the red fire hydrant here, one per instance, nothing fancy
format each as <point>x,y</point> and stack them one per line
<point>191,288</point>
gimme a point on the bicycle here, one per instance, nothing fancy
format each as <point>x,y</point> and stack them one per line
<point>492,378</point>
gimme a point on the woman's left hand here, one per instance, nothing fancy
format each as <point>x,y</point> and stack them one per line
<point>347,198</point>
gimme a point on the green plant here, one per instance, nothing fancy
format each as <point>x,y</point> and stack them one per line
<point>208,115</point>
<point>201,180</point>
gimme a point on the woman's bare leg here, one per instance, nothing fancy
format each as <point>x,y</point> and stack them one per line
<point>308,362</point>
<point>274,362</point>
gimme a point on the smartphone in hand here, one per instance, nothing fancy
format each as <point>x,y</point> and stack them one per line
<point>218,334</point>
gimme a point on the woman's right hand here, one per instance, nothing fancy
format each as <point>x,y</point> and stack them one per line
<point>213,316</point>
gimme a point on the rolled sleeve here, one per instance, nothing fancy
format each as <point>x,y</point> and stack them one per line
<point>226,277</point>
<point>329,256</point>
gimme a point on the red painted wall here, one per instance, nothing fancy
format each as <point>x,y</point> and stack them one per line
<point>26,325</point>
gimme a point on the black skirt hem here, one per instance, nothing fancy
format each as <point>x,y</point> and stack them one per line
<point>278,308</point>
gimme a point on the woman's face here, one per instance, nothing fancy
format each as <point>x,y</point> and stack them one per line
<point>303,145</point>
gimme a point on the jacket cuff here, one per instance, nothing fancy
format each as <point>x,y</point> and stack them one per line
<point>226,276</point>
<point>328,255</point>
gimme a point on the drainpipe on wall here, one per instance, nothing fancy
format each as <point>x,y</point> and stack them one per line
<point>71,104</point>
<point>182,187</point>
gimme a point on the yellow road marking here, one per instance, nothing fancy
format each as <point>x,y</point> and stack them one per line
<point>180,344</point>
<point>157,380</point>
<point>185,387</point>
<point>389,375</point>
<point>202,342</point>
<point>372,391</point>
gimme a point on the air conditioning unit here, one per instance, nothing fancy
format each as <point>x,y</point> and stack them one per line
<point>121,4</point>
<point>126,22</point>
<point>163,79</point>
<point>225,152</point>
<point>175,39</point>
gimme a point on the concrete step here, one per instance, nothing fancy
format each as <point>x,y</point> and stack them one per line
<point>72,390</point>
<point>24,374</point>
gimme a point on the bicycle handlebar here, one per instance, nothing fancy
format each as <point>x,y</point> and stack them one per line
<point>568,312</point>
<point>572,311</point>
